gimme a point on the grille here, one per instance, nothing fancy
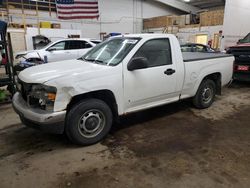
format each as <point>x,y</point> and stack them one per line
<point>32,98</point>
<point>25,89</point>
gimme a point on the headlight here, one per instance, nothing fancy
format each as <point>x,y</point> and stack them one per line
<point>42,96</point>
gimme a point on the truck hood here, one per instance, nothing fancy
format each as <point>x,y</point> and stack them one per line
<point>50,71</point>
<point>239,49</point>
<point>25,53</point>
<point>241,45</point>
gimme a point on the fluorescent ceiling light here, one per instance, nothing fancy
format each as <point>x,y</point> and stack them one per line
<point>186,0</point>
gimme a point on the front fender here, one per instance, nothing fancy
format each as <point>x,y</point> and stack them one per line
<point>69,87</point>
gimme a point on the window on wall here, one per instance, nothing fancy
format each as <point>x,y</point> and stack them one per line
<point>201,39</point>
<point>157,52</point>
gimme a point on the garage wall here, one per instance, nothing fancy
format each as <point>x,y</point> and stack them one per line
<point>124,16</point>
<point>236,21</point>
<point>189,34</point>
<point>186,35</point>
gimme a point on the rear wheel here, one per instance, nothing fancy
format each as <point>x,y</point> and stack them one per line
<point>205,95</point>
<point>88,122</point>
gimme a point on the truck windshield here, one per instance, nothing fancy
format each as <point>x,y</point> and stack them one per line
<point>111,52</point>
<point>246,39</point>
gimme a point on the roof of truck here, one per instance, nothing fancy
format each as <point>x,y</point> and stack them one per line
<point>145,35</point>
<point>85,39</point>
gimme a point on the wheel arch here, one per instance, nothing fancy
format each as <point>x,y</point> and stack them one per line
<point>216,77</point>
<point>105,95</point>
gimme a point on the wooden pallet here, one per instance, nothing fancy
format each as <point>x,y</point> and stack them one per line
<point>212,18</point>
<point>208,18</point>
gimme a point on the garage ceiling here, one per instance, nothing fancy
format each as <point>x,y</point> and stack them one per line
<point>193,5</point>
<point>205,4</point>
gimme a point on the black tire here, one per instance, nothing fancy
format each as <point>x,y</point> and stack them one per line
<point>205,95</point>
<point>86,117</point>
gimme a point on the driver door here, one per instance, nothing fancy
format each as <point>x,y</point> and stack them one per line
<point>154,85</point>
<point>57,52</point>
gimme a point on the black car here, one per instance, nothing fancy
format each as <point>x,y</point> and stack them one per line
<point>194,47</point>
<point>241,53</point>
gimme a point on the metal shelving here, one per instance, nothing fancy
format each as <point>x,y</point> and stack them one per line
<point>7,78</point>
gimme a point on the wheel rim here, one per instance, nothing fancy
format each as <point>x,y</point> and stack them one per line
<point>207,95</point>
<point>91,123</point>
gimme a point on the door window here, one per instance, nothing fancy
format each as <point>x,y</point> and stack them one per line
<point>200,48</point>
<point>157,52</point>
<point>58,46</point>
<point>87,45</point>
<point>95,41</point>
<point>78,44</point>
<point>187,48</point>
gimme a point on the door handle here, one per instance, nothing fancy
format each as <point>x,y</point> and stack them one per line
<point>169,71</point>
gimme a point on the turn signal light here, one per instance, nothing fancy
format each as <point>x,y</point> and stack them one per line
<point>51,96</point>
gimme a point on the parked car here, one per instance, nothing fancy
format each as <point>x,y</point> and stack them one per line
<point>241,52</point>
<point>124,74</point>
<point>64,49</point>
<point>194,47</point>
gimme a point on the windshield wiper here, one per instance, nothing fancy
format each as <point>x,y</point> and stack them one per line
<point>95,61</point>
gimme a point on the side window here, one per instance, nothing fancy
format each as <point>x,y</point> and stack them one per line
<point>87,45</point>
<point>78,44</point>
<point>186,48</point>
<point>157,52</point>
<point>200,48</point>
<point>95,41</point>
<point>58,46</point>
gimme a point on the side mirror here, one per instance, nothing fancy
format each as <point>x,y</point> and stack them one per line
<point>51,49</point>
<point>137,63</point>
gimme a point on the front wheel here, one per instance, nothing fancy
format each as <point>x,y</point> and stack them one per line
<point>205,95</point>
<point>88,122</point>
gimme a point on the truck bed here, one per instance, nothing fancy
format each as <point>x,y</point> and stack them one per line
<point>196,56</point>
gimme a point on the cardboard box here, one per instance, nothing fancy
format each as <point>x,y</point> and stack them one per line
<point>211,18</point>
<point>45,25</point>
<point>56,25</point>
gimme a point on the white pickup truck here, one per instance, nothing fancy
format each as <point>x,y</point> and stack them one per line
<point>124,74</point>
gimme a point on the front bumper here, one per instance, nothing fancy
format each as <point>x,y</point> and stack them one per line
<point>52,122</point>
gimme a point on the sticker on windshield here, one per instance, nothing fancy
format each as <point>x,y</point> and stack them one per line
<point>130,41</point>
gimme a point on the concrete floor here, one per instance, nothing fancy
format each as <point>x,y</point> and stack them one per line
<point>171,146</point>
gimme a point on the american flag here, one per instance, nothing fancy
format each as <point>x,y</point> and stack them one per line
<point>77,9</point>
